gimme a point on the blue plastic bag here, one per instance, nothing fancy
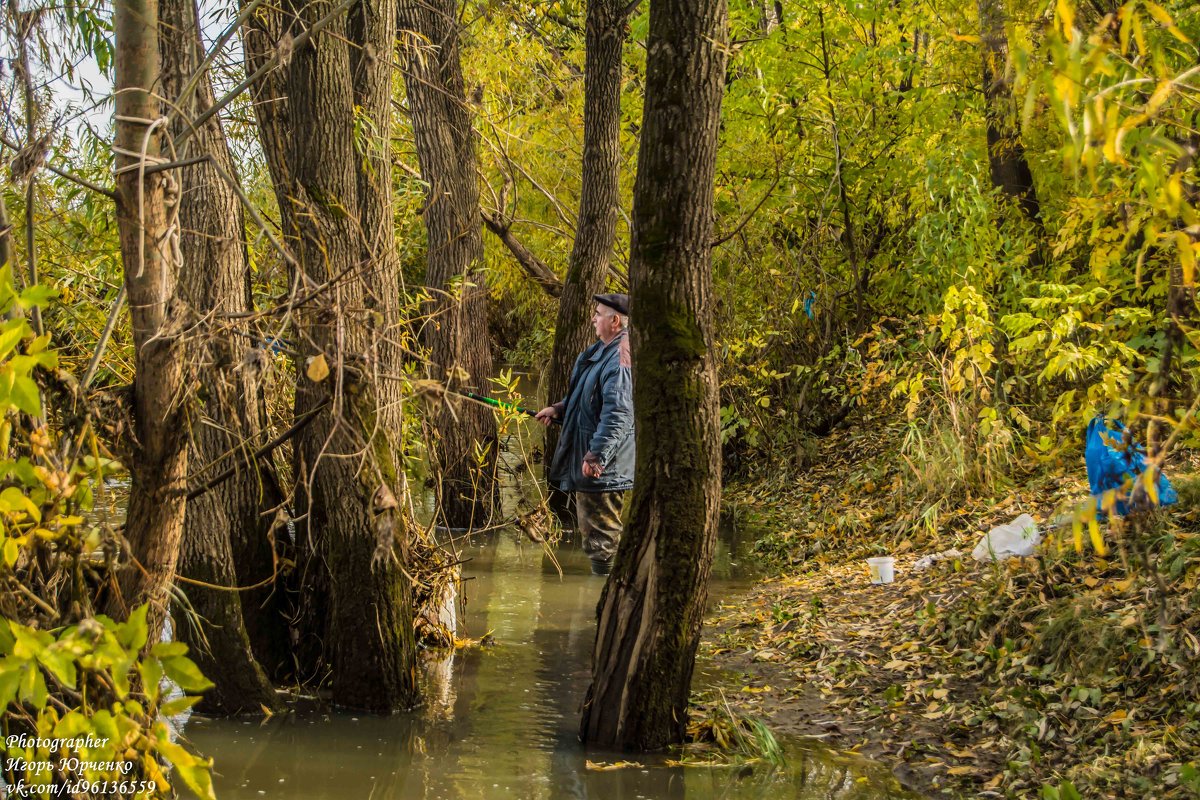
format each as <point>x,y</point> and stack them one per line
<point>1109,464</point>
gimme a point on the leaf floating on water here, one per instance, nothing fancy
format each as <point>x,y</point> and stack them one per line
<point>603,766</point>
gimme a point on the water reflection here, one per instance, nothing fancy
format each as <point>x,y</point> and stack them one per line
<point>500,721</point>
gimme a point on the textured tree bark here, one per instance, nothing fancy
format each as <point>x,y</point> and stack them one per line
<point>348,478</point>
<point>651,608</point>
<point>596,229</point>
<point>1006,155</point>
<point>305,594</point>
<point>770,15</point>
<point>264,33</point>
<point>457,333</point>
<point>214,277</point>
<point>159,453</point>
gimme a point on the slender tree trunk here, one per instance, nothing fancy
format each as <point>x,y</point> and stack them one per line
<point>770,15</point>
<point>1006,155</point>
<point>651,608</point>
<point>24,23</point>
<point>596,229</point>
<point>346,465</point>
<point>214,278</point>
<point>265,33</point>
<point>457,333</point>
<point>159,457</point>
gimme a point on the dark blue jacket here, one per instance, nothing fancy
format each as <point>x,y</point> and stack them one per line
<point>597,416</point>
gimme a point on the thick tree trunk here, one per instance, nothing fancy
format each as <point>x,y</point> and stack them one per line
<point>457,333</point>
<point>596,229</point>
<point>305,592</point>
<point>214,278</point>
<point>159,458</point>
<point>347,473</point>
<point>1006,155</point>
<point>651,608</point>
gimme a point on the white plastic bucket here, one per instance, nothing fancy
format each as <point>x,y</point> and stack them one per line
<point>882,569</point>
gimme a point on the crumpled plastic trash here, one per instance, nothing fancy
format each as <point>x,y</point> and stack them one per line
<point>925,562</point>
<point>1018,538</point>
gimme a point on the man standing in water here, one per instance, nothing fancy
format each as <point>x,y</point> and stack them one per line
<point>594,458</point>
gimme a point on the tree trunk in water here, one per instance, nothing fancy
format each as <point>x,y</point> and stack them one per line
<point>214,278</point>
<point>304,595</point>
<point>599,199</point>
<point>457,333</point>
<point>651,608</point>
<point>348,476</point>
<point>159,453</point>
<point>1006,155</point>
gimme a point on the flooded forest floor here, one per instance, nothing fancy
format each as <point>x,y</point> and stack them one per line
<point>1063,674</point>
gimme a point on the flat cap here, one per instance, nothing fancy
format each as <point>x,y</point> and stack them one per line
<point>617,302</point>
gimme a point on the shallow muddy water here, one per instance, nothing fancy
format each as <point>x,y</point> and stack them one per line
<point>500,721</point>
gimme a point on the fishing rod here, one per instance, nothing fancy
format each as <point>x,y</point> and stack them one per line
<point>491,401</point>
<point>276,345</point>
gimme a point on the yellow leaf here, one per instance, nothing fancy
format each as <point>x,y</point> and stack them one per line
<point>965,37</point>
<point>317,370</point>
<point>1066,18</point>
<point>964,770</point>
<point>1161,93</point>
<point>1139,35</point>
<point>1187,257</point>
<point>1077,529</point>
<point>1117,716</point>
<point>1112,136</point>
<point>1159,13</point>
<point>1097,539</point>
<point>600,766</point>
<point>1130,123</point>
<point>1151,485</point>
<point>1126,17</point>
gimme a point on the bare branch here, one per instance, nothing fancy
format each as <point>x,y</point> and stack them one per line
<point>533,266</point>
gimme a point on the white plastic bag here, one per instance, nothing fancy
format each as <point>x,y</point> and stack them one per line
<point>1018,538</point>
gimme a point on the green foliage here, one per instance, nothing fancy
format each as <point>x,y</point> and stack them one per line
<point>91,676</point>
<point>1065,790</point>
<point>95,665</point>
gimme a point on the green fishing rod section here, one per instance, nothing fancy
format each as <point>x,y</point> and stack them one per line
<point>491,401</point>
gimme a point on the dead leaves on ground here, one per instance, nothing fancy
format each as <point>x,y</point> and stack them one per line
<point>972,679</point>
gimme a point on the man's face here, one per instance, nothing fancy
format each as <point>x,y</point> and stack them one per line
<point>604,320</point>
